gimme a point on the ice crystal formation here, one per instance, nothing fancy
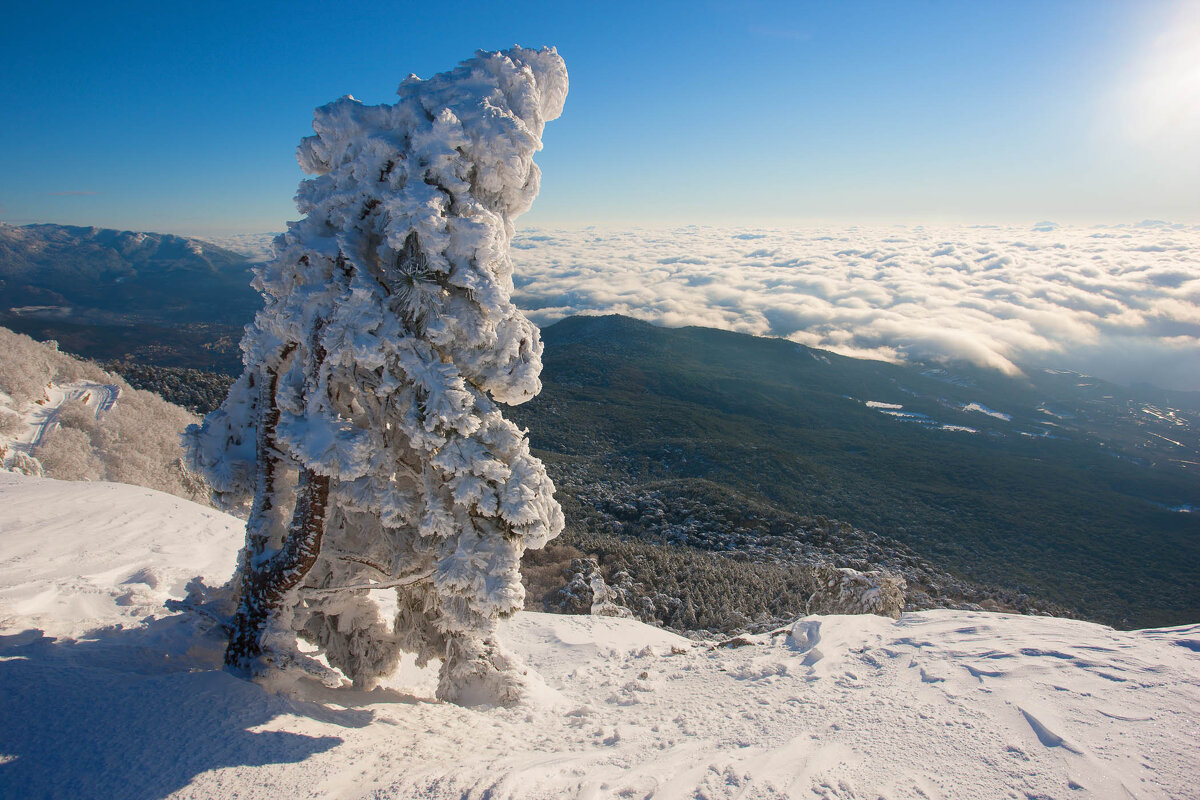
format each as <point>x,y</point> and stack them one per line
<point>365,430</point>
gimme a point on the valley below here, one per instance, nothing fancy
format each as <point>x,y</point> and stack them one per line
<point>1053,493</point>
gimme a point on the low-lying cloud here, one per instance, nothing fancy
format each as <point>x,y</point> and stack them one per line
<point>1121,303</point>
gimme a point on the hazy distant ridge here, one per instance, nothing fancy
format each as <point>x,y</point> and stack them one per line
<point>104,275</point>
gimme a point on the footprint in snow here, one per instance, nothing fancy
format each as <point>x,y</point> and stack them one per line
<point>928,678</point>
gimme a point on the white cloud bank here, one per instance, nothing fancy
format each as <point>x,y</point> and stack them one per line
<point>1121,303</point>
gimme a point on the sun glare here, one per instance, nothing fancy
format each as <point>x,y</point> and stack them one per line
<point>1162,98</point>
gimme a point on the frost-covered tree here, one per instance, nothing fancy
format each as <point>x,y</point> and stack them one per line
<point>365,427</point>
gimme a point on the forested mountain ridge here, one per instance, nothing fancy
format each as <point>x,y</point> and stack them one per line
<point>109,275</point>
<point>948,462</point>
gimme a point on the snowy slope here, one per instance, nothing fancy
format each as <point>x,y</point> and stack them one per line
<point>76,555</point>
<point>41,418</point>
<point>66,418</point>
<point>938,704</point>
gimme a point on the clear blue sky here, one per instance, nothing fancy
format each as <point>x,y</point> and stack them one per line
<point>184,116</point>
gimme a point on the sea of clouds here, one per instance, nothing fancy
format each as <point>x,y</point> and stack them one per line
<point>1121,303</point>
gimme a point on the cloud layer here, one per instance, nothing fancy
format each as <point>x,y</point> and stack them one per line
<point>1121,303</point>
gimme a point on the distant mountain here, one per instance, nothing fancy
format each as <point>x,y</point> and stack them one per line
<point>107,275</point>
<point>106,293</point>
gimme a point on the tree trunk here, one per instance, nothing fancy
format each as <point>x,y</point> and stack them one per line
<point>263,511</point>
<point>266,584</point>
<point>266,579</point>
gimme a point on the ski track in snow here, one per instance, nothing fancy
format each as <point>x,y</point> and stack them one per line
<point>939,704</point>
<point>42,418</point>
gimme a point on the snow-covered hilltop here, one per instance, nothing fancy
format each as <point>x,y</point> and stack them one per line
<point>131,701</point>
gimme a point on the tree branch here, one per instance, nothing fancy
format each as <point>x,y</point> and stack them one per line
<point>408,580</point>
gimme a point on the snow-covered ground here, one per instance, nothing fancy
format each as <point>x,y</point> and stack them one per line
<point>128,701</point>
<point>76,556</point>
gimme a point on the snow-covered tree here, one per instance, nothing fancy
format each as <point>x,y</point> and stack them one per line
<point>365,427</point>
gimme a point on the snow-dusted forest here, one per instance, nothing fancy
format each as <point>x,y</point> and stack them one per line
<point>68,419</point>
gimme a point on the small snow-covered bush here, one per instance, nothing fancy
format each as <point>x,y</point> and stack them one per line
<point>11,422</point>
<point>586,592</point>
<point>23,464</point>
<point>68,454</point>
<point>848,591</point>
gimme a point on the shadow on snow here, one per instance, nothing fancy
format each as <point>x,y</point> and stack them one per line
<point>137,714</point>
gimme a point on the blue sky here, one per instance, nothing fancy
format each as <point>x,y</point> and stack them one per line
<point>184,117</point>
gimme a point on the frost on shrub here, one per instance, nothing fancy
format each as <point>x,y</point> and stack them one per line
<point>848,591</point>
<point>68,455</point>
<point>11,422</point>
<point>365,427</point>
<point>25,368</point>
<point>586,592</point>
<point>24,464</point>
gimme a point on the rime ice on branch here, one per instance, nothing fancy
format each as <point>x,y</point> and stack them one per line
<point>365,427</point>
